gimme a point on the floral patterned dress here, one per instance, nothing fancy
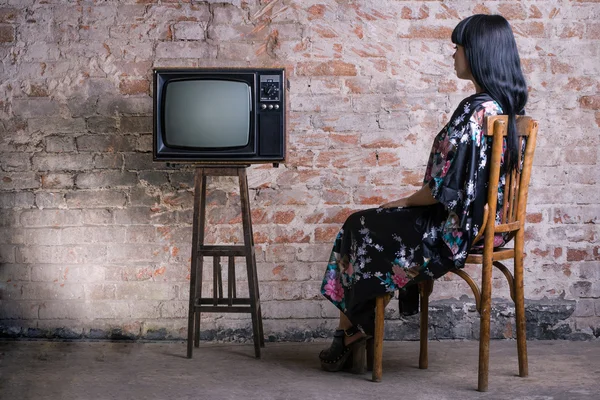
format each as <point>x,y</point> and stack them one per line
<point>382,250</point>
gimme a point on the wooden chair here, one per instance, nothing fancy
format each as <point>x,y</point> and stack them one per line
<point>512,221</point>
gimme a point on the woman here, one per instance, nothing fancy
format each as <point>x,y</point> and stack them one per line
<point>424,235</point>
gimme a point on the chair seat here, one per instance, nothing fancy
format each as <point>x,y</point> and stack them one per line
<point>501,253</point>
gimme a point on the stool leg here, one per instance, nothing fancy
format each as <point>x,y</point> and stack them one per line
<point>250,263</point>
<point>197,331</point>
<point>261,334</point>
<point>191,317</point>
<point>256,320</point>
<point>196,264</point>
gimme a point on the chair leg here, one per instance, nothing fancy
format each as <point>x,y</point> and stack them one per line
<point>520,311</point>
<point>484,331</point>
<point>425,289</point>
<point>378,338</point>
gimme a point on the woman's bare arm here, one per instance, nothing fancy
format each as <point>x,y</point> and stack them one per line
<point>421,197</point>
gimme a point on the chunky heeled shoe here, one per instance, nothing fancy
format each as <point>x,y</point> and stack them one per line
<point>339,356</point>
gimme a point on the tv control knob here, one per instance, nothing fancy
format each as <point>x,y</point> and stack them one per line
<point>277,106</point>
<point>270,106</point>
<point>263,106</point>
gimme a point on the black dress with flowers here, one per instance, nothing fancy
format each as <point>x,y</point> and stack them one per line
<point>382,250</point>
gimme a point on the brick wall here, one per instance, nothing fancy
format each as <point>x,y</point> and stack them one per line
<point>95,237</point>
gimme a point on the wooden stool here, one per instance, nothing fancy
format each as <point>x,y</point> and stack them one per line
<point>217,303</point>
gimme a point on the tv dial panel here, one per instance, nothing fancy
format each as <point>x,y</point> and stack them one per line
<point>270,92</point>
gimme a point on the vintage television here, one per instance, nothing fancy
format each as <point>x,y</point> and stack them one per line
<point>219,116</point>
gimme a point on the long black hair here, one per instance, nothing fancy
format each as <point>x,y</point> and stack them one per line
<point>493,58</point>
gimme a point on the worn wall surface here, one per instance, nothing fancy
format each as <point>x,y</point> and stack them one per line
<point>95,237</point>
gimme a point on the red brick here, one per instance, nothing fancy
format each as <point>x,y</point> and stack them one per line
<point>8,15</point>
<point>326,235</point>
<point>134,86</point>
<point>576,255</point>
<point>590,102</point>
<point>558,252</point>
<point>592,31</point>
<point>380,65</point>
<point>300,158</point>
<point>350,139</point>
<point>357,85</point>
<point>57,181</point>
<point>259,238</point>
<point>531,65</point>
<point>571,31</point>
<point>382,143</point>
<point>481,9</point>
<point>359,32</point>
<point>314,218</point>
<point>412,178</point>
<point>338,48</point>
<point>576,215</point>
<point>512,11</point>
<point>324,158</point>
<point>7,34</point>
<point>581,155</point>
<point>295,236</point>
<point>371,197</point>
<point>324,31</point>
<point>572,233</point>
<point>284,217</point>
<point>228,235</point>
<point>37,91</point>
<point>558,67</point>
<point>447,86</point>
<point>429,32</point>
<point>259,216</point>
<point>337,215</point>
<point>531,234</point>
<point>448,13</point>
<point>407,13</point>
<point>316,11</point>
<point>294,177</point>
<point>577,84</point>
<point>336,196</point>
<point>370,50</point>
<point>534,218</point>
<point>529,29</point>
<point>540,253</point>
<point>333,68</point>
<point>372,15</point>
<point>383,158</point>
<point>534,12</point>
<point>314,140</point>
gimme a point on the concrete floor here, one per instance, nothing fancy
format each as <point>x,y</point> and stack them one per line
<point>159,370</point>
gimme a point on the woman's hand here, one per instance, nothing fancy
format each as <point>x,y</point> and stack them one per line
<point>396,204</point>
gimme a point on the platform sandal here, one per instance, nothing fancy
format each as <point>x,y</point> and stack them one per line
<point>341,357</point>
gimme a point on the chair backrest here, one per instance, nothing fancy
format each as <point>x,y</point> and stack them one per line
<point>516,187</point>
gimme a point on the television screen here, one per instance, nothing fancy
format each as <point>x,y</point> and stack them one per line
<point>207,114</point>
